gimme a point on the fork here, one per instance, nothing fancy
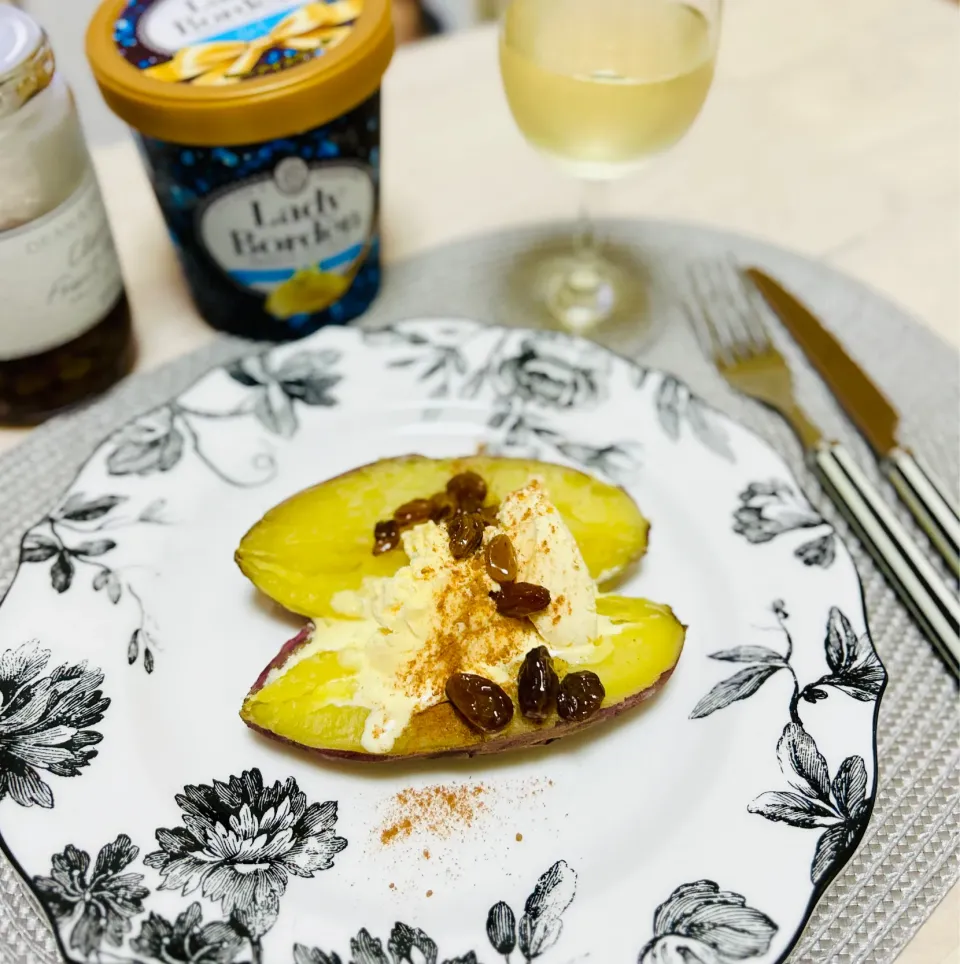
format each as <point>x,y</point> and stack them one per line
<point>733,335</point>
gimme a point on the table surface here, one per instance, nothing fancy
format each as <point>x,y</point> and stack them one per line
<point>832,129</point>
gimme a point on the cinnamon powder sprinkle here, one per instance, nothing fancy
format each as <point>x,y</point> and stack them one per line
<point>469,632</point>
<point>440,810</point>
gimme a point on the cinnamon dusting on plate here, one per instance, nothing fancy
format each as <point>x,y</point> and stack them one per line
<point>439,810</point>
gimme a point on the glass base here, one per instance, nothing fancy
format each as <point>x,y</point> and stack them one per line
<point>605,297</point>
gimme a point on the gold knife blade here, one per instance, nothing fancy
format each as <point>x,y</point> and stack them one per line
<point>867,407</point>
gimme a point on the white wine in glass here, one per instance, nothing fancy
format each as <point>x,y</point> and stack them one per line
<point>599,86</point>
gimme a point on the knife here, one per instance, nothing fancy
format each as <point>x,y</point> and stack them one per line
<point>877,420</point>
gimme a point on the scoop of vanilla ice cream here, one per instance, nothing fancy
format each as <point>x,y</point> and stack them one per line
<point>548,555</point>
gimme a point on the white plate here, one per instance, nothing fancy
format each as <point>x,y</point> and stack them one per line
<point>154,826</point>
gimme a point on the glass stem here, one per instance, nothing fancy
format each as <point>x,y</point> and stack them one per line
<point>583,294</point>
<point>585,235</point>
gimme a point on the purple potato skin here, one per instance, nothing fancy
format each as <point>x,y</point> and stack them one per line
<point>467,742</point>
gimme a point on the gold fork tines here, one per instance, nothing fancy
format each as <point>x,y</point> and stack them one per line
<point>732,333</point>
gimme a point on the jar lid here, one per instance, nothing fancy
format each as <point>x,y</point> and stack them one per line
<point>26,60</point>
<point>223,72</point>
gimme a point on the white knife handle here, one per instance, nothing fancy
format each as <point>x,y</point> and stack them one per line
<point>930,505</point>
<point>920,587</point>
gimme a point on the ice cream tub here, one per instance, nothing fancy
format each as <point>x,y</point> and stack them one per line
<point>259,124</point>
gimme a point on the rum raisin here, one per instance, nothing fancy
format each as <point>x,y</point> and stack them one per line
<point>489,515</point>
<point>442,506</point>
<point>483,704</point>
<point>468,489</point>
<point>520,599</point>
<point>466,534</point>
<point>386,536</point>
<point>580,696</point>
<point>413,513</point>
<point>501,559</point>
<point>537,684</point>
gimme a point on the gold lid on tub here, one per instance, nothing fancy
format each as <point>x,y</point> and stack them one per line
<point>228,72</point>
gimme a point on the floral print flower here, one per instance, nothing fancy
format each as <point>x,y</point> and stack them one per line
<point>768,509</point>
<point>841,806</point>
<point>44,722</point>
<point>188,940</point>
<point>303,377</point>
<point>151,444</point>
<point>102,902</point>
<point>554,373</point>
<point>312,955</point>
<point>409,945</point>
<point>240,842</point>
<point>701,924</point>
<point>677,406</point>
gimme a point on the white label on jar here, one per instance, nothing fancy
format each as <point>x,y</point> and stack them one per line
<point>59,275</point>
<point>263,232</point>
<point>170,25</point>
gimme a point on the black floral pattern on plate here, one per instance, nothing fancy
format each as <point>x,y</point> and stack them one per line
<point>94,905</point>
<point>45,722</point>
<point>842,805</point>
<point>72,537</point>
<point>770,509</point>
<point>157,442</point>
<point>554,372</point>
<point>438,361</point>
<point>539,929</point>
<point>677,407</point>
<point>528,377</point>
<point>186,939</point>
<point>701,924</point>
<point>855,668</point>
<point>240,842</point>
<point>306,377</point>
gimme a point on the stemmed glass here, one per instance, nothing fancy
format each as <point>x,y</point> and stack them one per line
<point>599,86</point>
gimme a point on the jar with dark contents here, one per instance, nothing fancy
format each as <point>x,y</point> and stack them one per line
<point>65,331</point>
<point>260,127</point>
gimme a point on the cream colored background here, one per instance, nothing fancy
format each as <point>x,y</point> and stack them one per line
<point>833,129</point>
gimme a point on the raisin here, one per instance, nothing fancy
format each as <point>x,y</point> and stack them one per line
<point>519,599</point>
<point>580,696</point>
<point>386,536</point>
<point>466,534</point>
<point>537,684</point>
<point>442,506</point>
<point>483,704</point>
<point>468,489</point>
<point>412,513</point>
<point>489,515</point>
<point>501,560</point>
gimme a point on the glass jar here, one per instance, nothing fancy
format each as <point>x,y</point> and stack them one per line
<point>65,331</point>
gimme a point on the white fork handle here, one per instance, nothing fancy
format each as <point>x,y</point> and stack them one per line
<point>932,603</point>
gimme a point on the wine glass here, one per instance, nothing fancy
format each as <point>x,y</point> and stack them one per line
<point>599,86</point>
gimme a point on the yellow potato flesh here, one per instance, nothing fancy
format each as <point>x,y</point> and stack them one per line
<point>319,541</point>
<point>299,705</point>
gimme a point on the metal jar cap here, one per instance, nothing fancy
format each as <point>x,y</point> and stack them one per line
<point>26,61</point>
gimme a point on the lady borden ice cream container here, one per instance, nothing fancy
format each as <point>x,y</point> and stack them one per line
<point>259,122</point>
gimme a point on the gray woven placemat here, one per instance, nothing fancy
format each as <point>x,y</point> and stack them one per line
<point>909,856</point>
